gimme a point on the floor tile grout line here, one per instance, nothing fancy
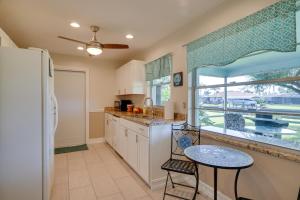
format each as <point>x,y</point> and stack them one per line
<point>90,178</point>
<point>129,176</point>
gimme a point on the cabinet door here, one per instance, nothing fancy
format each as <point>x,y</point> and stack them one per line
<point>113,132</point>
<point>132,149</point>
<point>143,157</point>
<point>107,131</point>
<point>122,142</point>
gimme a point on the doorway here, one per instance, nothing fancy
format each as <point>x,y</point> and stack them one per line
<point>70,90</point>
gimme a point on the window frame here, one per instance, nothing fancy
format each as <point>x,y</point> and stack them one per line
<point>157,100</point>
<point>194,87</point>
<point>226,85</point>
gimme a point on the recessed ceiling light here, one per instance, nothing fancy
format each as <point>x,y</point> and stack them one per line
<point>74,24</point>
<point>80,48</point>
<point>129,36</point>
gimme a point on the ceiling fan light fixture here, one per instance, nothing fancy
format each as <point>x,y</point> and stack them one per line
<point>129,36</point>
<point>74,24</point>
<point>94,48</point>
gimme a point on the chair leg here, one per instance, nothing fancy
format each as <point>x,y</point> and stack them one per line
<point>166,186</point>
<point>197,182</point>
<point>173,186</point>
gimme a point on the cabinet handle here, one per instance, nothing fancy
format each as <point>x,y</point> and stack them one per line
<point>124,91</point>
<point>136,139</point>
<point>119,91</point>
<point>126,134</point>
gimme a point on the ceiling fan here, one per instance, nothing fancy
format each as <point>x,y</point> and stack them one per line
<point>93,47</point>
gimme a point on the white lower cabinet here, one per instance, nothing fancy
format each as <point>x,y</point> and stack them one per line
<point>108,137</point>
<point>111,129</point>
<point>132,147</point>
<point>143,157</point>
<point>114,128</point>
<point>122,142</point>
<point>144,148</point>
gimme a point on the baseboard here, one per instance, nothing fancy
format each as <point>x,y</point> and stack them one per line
<point>160,182</point>
<point>96,140</point>
<point>205,189</point>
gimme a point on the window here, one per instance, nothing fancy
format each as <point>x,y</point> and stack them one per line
<point>244,79</point>
<point>265,104</point>
<point>160,90</point>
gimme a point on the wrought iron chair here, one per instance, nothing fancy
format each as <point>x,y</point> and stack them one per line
<point>182,136</point>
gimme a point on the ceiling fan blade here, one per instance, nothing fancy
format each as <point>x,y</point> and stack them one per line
<point>115,46</point>
<point>72,40</point>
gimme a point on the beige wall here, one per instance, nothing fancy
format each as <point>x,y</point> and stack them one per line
<point>102,86</point>
<point>97,126</point>
<point>270,178</point>
<point>5,40</point>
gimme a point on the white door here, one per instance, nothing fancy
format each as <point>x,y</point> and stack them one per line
<point>70,93</point>
<point>132,151</point>
<point>143,149</point>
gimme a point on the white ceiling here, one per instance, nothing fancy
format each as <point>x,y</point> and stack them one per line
<point>38,22</point>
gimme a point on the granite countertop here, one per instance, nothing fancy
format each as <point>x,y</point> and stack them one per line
<point>244,140</point>
<point>143,120</point>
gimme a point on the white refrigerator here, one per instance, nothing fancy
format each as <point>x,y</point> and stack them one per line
<point>28,120</point>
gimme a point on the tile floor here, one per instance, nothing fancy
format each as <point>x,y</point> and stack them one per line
<point>100,174</point>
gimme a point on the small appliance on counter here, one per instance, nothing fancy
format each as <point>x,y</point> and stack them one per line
<point>123,105</point>
<point>117,105</point>
<point>129,108</point>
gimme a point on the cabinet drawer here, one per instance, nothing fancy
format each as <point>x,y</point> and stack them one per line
<point>140,129</point>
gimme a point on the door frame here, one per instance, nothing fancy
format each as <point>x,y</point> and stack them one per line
<point>87,88</point>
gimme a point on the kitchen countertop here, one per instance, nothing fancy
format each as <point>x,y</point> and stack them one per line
<point>143,120</point>
<point>229,138</point>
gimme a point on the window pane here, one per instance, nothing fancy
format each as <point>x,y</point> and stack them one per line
<point>239,79</point>
<point>166,79</point>
<point>265,76</point>
<point>165,93</point>
<point>285,128</point>
<point>209,118</point>
<point>280,97</point>
<point>160,92</point>
<point>209,80</point>
<point>210,97</point>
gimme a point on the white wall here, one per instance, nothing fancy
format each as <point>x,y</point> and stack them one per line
<point>5,40</point>
<point>102,78</point>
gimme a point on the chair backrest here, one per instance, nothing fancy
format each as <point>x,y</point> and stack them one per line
<point>183,136</point>
<point>235,121</point>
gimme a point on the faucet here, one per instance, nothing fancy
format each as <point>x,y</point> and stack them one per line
<point>151,105</point>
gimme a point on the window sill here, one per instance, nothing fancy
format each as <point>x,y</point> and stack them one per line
<point>270,146</point>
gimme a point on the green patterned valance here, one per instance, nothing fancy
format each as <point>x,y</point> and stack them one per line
<point>272,29</point>
<point>159,68</point>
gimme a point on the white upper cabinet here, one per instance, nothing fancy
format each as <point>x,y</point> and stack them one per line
<point>131,78</point>
<point>5,41</point>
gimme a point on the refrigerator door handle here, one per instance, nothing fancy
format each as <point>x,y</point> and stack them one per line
<point>56,112</point>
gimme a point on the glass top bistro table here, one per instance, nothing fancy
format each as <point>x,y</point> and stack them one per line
<point>219,157</point>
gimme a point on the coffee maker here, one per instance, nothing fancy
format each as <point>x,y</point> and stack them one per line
<point>123,105</point>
